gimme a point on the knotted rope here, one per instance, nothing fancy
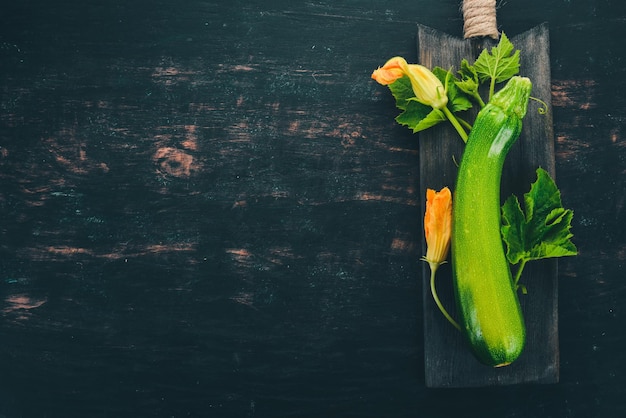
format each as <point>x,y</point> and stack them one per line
<point>479,18</point>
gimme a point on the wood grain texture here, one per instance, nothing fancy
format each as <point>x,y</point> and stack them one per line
<point>204,212</point>
<point>208,210</point>
<point>448,362</point>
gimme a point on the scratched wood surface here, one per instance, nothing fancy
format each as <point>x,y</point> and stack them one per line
<point>448,362</point>
<point>208,210</point>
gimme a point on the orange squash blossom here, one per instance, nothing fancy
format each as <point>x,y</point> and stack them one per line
<point>437,226</point>
<point>427,88</point>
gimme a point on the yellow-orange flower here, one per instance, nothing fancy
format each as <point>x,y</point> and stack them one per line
<point>390,72</point>
<point>437,226</point>
<point>426,86</point>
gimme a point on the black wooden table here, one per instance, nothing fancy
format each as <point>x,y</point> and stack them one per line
<point>208,210</point>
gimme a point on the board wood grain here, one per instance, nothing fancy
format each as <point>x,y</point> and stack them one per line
<point>448,361</point>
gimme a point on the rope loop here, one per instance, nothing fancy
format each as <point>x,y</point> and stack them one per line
<point>479,18</point>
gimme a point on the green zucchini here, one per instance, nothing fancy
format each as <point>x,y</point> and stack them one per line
<point>486,297</point>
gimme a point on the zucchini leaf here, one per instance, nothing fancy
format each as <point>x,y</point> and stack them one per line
<point>469,82</point>
<point>542,230</point>
<point>418,116</point>
<point>499,64</point>
<point>415,115</point>
<point>458,100</point>
<point>402,92</point>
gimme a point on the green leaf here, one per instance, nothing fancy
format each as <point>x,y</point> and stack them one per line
<point>469,78</point>
<point>500,64</point>
<point>513,232</point>
<point>457,99</point>
<point>419,117</point>
<point>469,82</point>
<point>402,91</point>
<point>415,115</point>
<point>542,230</point>
<point>467,86</point>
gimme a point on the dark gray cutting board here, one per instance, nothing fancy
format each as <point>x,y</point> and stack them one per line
<point>448,361</point>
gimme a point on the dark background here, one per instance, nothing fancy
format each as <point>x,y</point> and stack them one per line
<point>207,209</point>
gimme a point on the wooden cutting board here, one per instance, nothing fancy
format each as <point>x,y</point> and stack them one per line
<point>448,361</point>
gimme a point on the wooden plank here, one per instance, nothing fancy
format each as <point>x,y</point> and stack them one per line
<point>448,362</point>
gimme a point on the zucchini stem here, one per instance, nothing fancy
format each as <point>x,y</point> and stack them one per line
<point>479,99</point>
<point>518,274</point>
<point>455,122</point>
<point>492,87</point>
<point>433,270</point>
<point>464,123</point>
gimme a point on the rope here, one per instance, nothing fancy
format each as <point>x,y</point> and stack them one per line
<point>479,18</point>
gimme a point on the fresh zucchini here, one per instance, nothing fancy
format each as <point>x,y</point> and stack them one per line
<point>489,310</point>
